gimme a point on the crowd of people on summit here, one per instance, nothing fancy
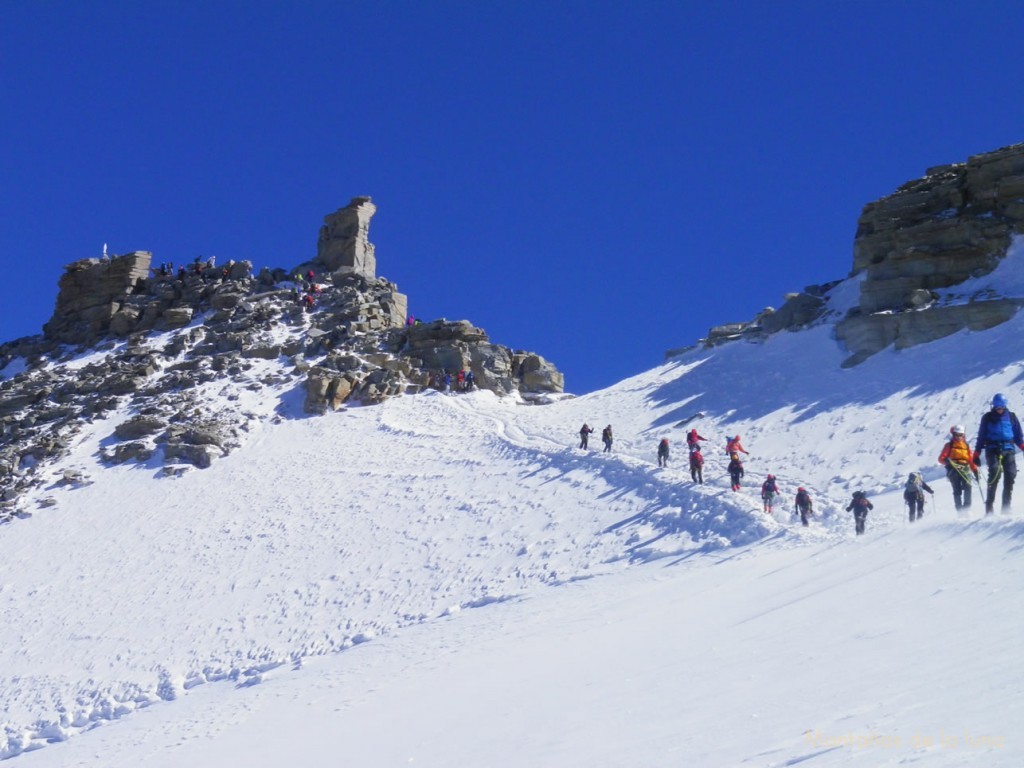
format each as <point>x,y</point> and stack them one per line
<point>999,437</point>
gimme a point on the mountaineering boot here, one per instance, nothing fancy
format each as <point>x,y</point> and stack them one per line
<point>988,508</point>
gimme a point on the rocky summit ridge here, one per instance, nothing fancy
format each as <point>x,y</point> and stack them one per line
<point>931,234</point>
<point>189,358</point>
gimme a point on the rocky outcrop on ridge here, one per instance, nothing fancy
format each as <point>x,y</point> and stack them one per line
<point>173,367</point>
<point>932,233</point>
<point>798,310</point>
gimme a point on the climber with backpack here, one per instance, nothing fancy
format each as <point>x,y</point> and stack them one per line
<point>735,470</point>
<point>860,507</point>
<point>733,447</point>
<point>913,495</point>
<point>663,452</point>
<point>606,438</point>
<point>693,440</point>
<point>999,434</point>
<point>697,466</point>
<point>960,467</point>
<point>769,490</point>
<point>585,432</point>
<point>804,505</point>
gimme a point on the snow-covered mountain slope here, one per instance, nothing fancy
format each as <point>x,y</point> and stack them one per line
<point>897,650</point>
<point>627,617</point>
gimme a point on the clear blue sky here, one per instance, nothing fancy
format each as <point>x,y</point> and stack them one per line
<point>593,181</point>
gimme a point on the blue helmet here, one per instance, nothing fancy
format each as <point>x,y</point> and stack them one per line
<point>999,401</point>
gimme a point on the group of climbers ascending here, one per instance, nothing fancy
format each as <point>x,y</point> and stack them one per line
<point>803,505</point>
<point>693,441</point>
<point>606,437</point>
<point>999,435</point>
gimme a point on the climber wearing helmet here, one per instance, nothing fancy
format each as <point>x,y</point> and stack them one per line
<point>960,467</point>
<point>999,435</point>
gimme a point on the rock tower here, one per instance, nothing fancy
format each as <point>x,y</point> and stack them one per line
<point>344,244</point>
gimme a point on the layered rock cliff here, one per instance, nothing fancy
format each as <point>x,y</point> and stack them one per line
<point>932,233</point>
<point>910,247</point>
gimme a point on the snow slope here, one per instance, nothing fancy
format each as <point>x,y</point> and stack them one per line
<point>306,598</point>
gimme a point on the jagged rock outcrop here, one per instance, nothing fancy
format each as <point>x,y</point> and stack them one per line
<point>176,397</point>
<point>799,310</point>
<point>344,244</point>
<point>91,294</point>
<point>933,233</point>
<point>939,230</point>
<point>930,234</point>
<point>864,335</point>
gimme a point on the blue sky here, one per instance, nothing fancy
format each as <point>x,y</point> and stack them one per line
<point>593,181</point>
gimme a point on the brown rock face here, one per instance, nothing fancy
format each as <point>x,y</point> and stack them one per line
<point>344,242</point>
<point>91,294</point>
<point>932,233</point>
<point>935,232</point>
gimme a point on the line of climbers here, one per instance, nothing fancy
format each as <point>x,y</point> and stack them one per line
<point>999,435</point>
<point>803,505</point>
<point>464,381</point>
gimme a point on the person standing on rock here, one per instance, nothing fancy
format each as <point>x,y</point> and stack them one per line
<point>585,432</point>
<point>606,438</point>
<point>663,452</point>
<point>697,466</point>
<point>960,467</point>
<point>999,435</point>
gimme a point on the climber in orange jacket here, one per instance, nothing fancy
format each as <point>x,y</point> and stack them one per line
<point>960,467</point>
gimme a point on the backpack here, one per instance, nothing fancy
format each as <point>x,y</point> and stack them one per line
<point>913,485</point>
<point>959,451</point>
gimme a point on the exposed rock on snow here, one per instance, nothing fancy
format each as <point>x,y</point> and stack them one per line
<point>152,340</point>
<point>955,224</point>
